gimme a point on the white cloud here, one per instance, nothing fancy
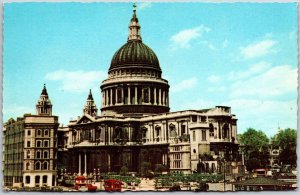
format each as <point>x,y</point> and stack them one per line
<point>77,81</point>
<point>183,38</point>
<point>197,104</point>
<point>144,5</point>
<point>185,84</point>
<point>265,115</point>
<point>211,46</point>
<point>276,81</point>
<point>252,70</point>
<point>225,43</point>
<point>213,78</point>
<point>258,49</point>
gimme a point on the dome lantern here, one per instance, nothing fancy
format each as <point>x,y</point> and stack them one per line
<point>134,27</point>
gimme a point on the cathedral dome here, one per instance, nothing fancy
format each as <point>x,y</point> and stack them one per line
<point>135,53</point>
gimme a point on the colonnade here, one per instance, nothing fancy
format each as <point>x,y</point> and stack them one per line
<point>135,95</point>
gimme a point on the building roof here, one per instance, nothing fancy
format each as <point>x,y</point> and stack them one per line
<point>135,53</point>
<point>44,91</point>
<point>261,181</point>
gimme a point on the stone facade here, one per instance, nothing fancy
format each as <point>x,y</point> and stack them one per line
<point>135,127</point>
<point>30,147</point>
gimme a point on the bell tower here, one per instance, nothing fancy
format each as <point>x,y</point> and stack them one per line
<point>90,107</point>
<point>44,106</point>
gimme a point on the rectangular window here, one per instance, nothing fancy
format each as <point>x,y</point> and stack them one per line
<point>194,118</point>
<point>28,132</point>
<point>182,129</point>
<point>28,144</point>
<point>203,135</point>
<point>27,179</point>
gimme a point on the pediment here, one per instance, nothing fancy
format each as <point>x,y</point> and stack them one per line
<point>85,119</point>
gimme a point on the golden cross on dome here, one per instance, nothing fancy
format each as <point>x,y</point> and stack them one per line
<point>134,6</point>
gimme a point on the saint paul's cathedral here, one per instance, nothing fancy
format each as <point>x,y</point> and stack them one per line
<point>135,128</point>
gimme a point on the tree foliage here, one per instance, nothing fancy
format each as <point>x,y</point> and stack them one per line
<point>124,170</point>
<point>286,141</point>
<point>256,148</point>
<point>254,140</point>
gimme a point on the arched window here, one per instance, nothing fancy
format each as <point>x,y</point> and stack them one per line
<point>38,154</point>
<point>45,154</point>
<point>172,130</point>
<point>38,165</point>
<point>46,132</point>
<point>45,178</point>
<point>37,179</point>
<point>225,132</point>
<point>46,143</point>
<point>39,132</point>
<point>45,166</point>
<point>157,131</point>
<point>38,143</point>
<point>27,166</point>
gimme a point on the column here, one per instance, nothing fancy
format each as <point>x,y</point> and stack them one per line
<point>165,131</point>
<point>84,174</point>
<point>108,136</point>
<point>136,96</point>
<point>103,98</point>
<point>116,95</point>
<point>122,95</point>
<point>167,99</point>
<point>159,96</point>
<point>150,133</point>
<point>163,99</point>
<point>106,99</point>
<point>154,95</point>
<point>111,97</point>
<point>149,95</point>
<point>129,96</point>
<point>79,167</point>
<point>129,133</point>
<point>230,132</point>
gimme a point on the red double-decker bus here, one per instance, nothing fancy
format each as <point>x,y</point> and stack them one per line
<point>84,184</point>
<point>113,185</point>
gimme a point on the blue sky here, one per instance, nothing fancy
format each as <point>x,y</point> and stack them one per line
<point>242,55</point>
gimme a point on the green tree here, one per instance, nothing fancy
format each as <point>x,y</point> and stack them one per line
<point>159,168</point>
<point>252,164</point>
<point>286,140</point>
<point>145,167</point>
<point>256,146</point>
<point>124,170</point>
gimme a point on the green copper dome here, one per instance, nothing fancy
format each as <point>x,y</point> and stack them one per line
<point>134,53</point>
